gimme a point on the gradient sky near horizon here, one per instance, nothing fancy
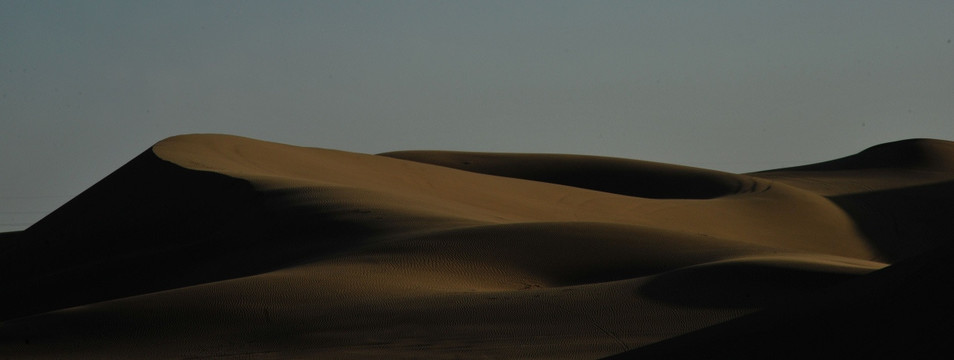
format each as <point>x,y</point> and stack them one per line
<point>730,85</point>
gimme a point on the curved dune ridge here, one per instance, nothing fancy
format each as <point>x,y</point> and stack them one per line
<point>219,246</point>
<point>620,176</point>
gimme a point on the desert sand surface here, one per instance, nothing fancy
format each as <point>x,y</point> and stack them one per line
<point>218,246</point>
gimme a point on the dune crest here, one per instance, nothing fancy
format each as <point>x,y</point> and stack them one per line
<point>925,154</point>
<point>619,176</point>
<point>221,245</point>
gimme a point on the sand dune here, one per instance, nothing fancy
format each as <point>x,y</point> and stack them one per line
<point>219,246</point>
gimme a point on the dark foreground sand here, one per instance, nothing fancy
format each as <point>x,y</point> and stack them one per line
<point>213,246</point>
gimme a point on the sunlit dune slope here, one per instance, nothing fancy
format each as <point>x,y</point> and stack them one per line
<point>221,245</point>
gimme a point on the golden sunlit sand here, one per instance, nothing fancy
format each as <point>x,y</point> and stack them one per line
<point>215,246</point>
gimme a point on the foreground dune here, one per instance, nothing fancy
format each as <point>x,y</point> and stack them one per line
<point>222,246</point>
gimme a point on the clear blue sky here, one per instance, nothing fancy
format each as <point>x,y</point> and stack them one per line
<point>729,85</point>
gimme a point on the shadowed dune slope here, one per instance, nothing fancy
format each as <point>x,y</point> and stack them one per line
<point>150,226</point>
<point>902,311</point>
<point>217,246</point>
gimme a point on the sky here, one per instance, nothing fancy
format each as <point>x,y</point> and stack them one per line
<point>737,86</point>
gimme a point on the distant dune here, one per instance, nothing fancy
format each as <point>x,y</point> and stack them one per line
<point>216,246</point>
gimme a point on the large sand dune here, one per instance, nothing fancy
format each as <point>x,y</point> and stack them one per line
<point>228,247</point>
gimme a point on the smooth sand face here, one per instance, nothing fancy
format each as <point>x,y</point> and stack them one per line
<point>450,254</point>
